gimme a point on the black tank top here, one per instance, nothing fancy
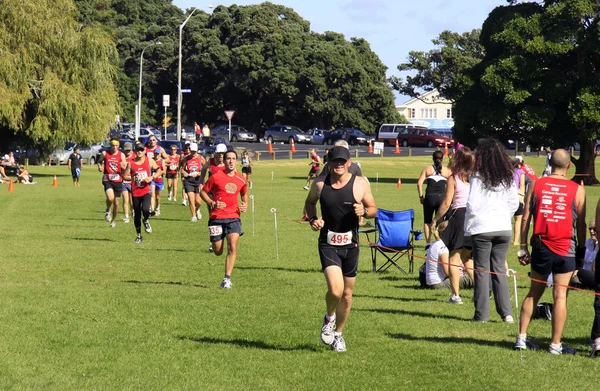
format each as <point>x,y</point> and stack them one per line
<point>436,183</point>
<point>338,214</point>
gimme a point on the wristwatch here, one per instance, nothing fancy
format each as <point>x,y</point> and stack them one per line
<point>366,212</point>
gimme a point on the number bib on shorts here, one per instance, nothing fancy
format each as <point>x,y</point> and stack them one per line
<point>215,230</point>
<point>339,238</point>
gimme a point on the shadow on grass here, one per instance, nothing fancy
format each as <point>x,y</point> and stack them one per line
<point>94,239</point>
<point>244,343</point>
<point>165,283</point>
<point>411,313</point>
<point>177,250</point>
<point>396,298</point>
<point>464,340</point>
<point>86,219</point>
<point>283,269</point>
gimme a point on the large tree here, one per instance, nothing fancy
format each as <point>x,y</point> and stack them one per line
<point>56,79</point>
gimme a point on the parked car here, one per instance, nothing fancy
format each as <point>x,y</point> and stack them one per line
<point>317,135</point>
<point>147,132</point>
<point>238,133</point>
<point>389,133</point>
<point>286,133</point>
<point>424,138</point>
<point>88,153</point>
<point>190,133</point>
<point>351,135</point>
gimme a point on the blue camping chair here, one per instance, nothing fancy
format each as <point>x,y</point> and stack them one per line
<point>395,238</point>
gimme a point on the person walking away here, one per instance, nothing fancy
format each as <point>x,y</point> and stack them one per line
<point>457,192</point>
<point>519,177</point>
<point>314,167</point>
<point>247,168</point>
<point>192,167</point>
<point>595,334</point>
<point>126,188</point>
<point>343,198</point>
<point>221,193</point>
<point>557,206</point>
<point>436,177</point>
<point>157,185</point>
<point>111,163</point>
<point>491,203</point>
<point>172,173</point>
<point>140,172</point>
<point>74,163</point>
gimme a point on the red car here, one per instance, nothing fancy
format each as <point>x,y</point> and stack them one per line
<point>424,138</point>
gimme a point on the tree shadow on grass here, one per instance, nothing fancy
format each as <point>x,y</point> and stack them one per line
<point>408,299</point>
<point>283,269</point>
<point>244,343</point>
<point>94,239</point>
<point>464,340</point>
<point>411,313</point>
<point>177,250</point>
<point>179,283</point>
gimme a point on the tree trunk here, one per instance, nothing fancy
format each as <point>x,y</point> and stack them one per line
<point>585,168</point>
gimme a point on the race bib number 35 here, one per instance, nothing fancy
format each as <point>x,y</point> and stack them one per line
<point>339,238</point>
<point>215,230</point>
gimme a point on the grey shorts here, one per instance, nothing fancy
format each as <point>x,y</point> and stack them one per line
<point>228,226</point>
<point>464,283</point>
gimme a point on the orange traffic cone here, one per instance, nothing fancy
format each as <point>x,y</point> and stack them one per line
<point>397,151</point>
<point>399,185</point>
<point>270,147</point>
<point>446,149</point>
<point>55,182</point>
<point>11,186</point>
<point>370,147</point>
<point>293,147</point>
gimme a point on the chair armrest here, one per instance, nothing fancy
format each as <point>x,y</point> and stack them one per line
<point>367,231</point>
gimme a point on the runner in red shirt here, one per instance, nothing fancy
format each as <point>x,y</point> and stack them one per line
<point>191,172</point>
<point>157,185</point>
<point>224,222</point>
<point>173,173</point>
<point>314,168</point>
<point>111,163</point>
<point>184,154</point>
<point>141,171</point>
<point>126,190</point>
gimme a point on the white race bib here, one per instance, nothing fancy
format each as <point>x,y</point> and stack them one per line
<point>173,167</point>
<point>141,175</point>
<point>215,230</point>
<point>339,238</point>
<point>114,177</point>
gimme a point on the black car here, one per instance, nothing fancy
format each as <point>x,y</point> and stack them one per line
<point>351,135</point>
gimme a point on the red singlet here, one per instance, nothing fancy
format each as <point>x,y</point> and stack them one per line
<point>140,187</point>
<point>112,167</point>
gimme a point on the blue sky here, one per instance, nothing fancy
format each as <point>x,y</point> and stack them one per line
<point>392,27</point>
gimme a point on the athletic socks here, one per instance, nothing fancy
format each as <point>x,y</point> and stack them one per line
<point>227,277</point>
<point>330,318</point>
<point>337,334</point>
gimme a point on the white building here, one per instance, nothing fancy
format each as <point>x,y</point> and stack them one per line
<point>429,110</point>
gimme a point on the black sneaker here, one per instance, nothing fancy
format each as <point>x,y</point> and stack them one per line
<point>139,239</point>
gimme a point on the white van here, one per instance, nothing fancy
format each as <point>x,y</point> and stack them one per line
<point>388,133</point>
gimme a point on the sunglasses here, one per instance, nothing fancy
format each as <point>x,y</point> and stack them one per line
<point>140,150</point>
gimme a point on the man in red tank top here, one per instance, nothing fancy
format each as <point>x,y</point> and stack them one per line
<point>172,173</point>
<point>184,154</point>
<point>220,192</point>
<point>314,164</point>
<point>557,206</point>
<point>157,185</point>
<point>126,190</point>
<point>111,163</point>
<point>141,171</point>
<point>191,170</point>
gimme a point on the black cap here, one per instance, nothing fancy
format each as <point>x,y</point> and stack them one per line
<point>338,153</point>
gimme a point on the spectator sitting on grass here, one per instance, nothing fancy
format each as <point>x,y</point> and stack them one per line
<point>436,267</point>
<point>24,176</point>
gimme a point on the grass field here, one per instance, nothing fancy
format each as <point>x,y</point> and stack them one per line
<point>83,307</point>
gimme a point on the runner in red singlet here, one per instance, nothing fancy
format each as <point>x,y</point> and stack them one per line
<point>221,193</point>
<point>314,168</point>
<point>157,184</point>
<point>140,172</point>
<point>184,154</point>
<point>173,173</point>
<point>111,163</point>
<point>126,191</point>
<point>191,172</point>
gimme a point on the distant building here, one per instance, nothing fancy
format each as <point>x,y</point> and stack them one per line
<point>430,110</point>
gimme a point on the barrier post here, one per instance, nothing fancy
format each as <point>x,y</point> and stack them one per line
<point>257,156</point>
<point>252,198</point>
<point>377,182</point>
<point>274,211</point>
<point>291,155</point>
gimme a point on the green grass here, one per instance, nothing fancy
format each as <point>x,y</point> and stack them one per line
<point>83,307</point>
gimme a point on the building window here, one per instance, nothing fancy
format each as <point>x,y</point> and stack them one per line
<point>449,113</point>
<point>412,113</point>
<point>434,113</point>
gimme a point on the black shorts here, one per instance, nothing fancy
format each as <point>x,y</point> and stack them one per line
<point>519,211</point>
<point>313,171</point>
<point>454,236</point>
<point>117,187</point>
<point>544,262</point>
<point>344,258</point>
<point>228,226</point>
<point>191,187</point>
<point>247,170</point>
<point>431,203</point>
<point>172,175</point>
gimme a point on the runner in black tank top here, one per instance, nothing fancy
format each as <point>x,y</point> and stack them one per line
<point>338,214</point>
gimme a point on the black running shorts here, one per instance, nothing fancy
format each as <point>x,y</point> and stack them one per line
<point>344,258</point>
<point>117,187</point>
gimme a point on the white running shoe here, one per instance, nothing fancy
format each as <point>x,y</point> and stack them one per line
<point>595,348</point>
<point>338,344</point>
<point>198,214</point>
<point>174,199</point>
<point>454,300</point>
<point>525,344</point>
<point>225,284</point>
<point>508,319</point>
<point>251,185</point>
<point>305,187</point>
<point>113,224</point>
<point>194,219</point>
<point>157,211</point>
<point>126,219</point>
<point>147,226</point>
<point>107,216</point>
<point>210,249</point>
<point>169,197</point>
<point>184,202</point>
<point>327,330</point>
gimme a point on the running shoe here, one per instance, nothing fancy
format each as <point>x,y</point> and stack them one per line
<point>561,349</point>
<point>169,197</point>
<point>595,348</point>
<point>157,212</point>
<point>107,216</point>
<point>210,249</point>
<point>226,284</point>
<point>338,344</point>
<point>139,239</point>
<point>525,344</point>
<point>327,330</point>
<point>194,219</point>
<point>198,214</point>
<point>147,226</point>
<point>305,187</point>
<point>113,224</point>
<point>454,300</point>
<point>174,199</point>
<point>508,319</point>
<point>126,219</point>
<point>152,212</point>
<point>184,202</point>
<point>251,185</point>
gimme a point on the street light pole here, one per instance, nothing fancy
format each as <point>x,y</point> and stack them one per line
<point>138,117</point>
<point>179,96</point>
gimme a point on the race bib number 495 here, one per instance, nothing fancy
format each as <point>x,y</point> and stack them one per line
<point>215,230</point>
<point>339,238</point>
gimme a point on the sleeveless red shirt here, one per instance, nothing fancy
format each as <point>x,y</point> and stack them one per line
<point>174,164</point>
<point>128,160</point>
<point>161,164</point>
<point>555,214</point>
<point>214,168</point>
<point>112,167</point>
<point>140,187</point>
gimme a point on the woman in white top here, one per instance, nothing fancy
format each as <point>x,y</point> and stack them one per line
<point>457,192</point>
<point>492,202</point>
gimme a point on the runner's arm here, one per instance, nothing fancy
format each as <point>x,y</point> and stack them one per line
<point>127,174</point>
<point>420,182</point>
<point>447,201</point>
<point>101,160</point>
<point>581,209</point>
